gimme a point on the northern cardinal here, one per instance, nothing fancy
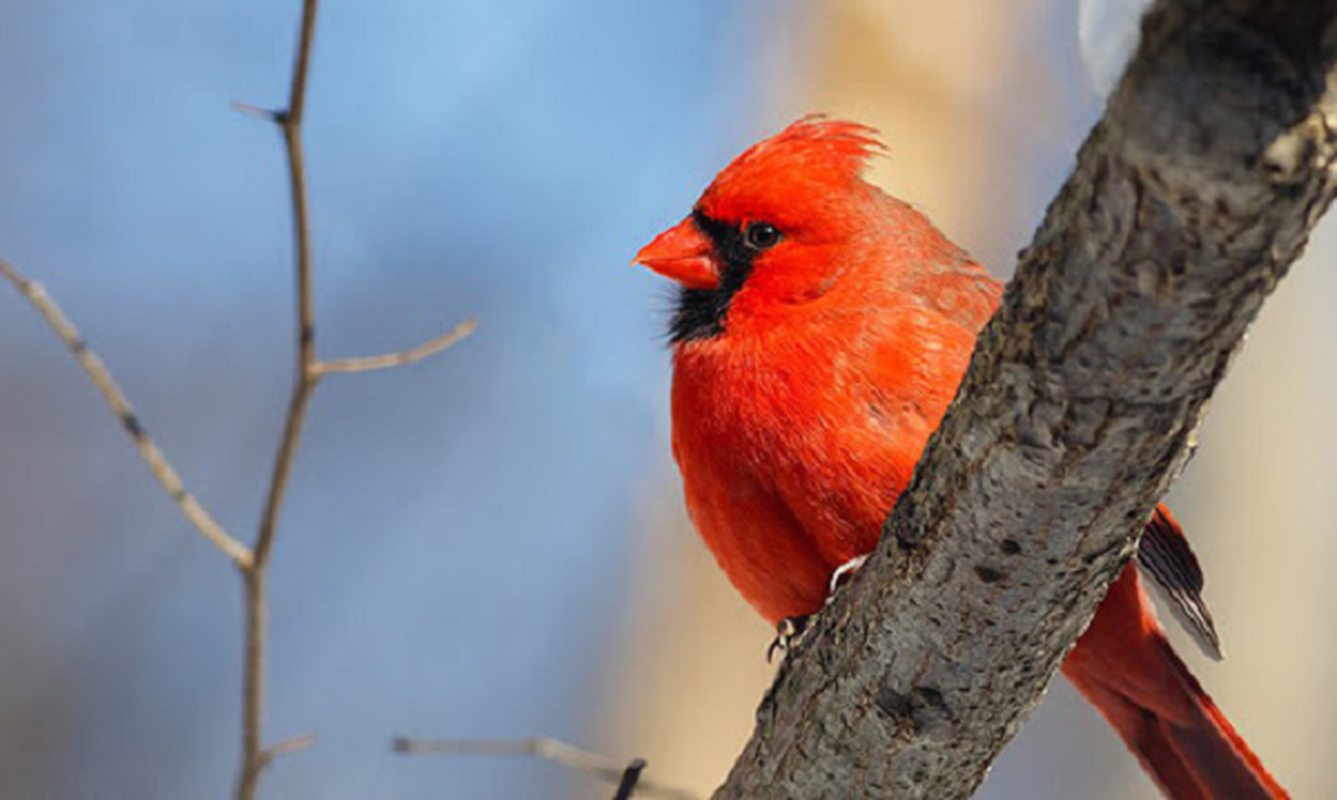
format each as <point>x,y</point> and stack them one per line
<point>821,330</point>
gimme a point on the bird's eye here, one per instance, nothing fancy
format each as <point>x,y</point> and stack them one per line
<point>761,236</point>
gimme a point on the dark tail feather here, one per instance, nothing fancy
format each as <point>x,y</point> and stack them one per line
<point>1165,554</point>
<point>1126,668</point>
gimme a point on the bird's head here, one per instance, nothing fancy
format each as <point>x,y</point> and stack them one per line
<point>772,230</point>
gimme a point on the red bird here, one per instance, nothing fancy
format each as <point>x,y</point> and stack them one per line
<point>821,330</point>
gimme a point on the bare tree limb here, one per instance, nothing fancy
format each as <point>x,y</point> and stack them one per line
<point>294,745</point>
<point>119,404</point>
<point>402,357</point>
<point>1189,201</point>
<point>553,750</point>
<point>307,372</point>
<point>254,758</point>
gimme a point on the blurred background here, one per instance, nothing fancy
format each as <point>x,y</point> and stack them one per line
<point>492,543</point>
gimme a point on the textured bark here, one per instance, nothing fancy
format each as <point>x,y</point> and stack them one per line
<point>1189,201</point>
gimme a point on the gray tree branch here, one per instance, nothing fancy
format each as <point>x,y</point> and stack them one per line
<point>1189,201</point>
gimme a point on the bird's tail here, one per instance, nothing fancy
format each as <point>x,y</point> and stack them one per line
<point>1126,668</point>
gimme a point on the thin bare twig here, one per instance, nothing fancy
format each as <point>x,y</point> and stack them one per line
<point>285,747</point>
<point>402,357</point>
<point>161,468</point>
<point>548,749</point>
<point>631,779</point>
<point>254,757</point>
<point>266,114</point>
<point>307,373</point>
<point>292,745</point>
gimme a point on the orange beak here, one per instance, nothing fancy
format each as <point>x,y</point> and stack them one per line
<point>684,254</point>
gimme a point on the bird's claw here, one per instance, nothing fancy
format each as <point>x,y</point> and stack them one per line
<point>843,574</point>
<point>787,632</point>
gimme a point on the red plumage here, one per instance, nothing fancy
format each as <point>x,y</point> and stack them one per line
<point>822,330</point>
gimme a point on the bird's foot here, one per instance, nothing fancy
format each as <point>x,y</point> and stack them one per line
<point>790,629</point>
<point>843,573</point>
<point>787,632</point>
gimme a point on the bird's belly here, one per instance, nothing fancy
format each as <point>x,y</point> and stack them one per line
<point>779,525</point>
<point>788,479</point>
<point>767,555</point>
